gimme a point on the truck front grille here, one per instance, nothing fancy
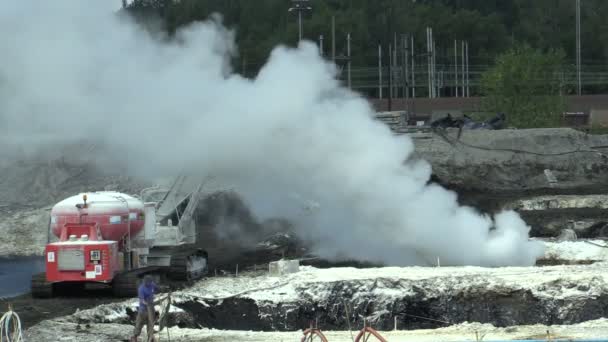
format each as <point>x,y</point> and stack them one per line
<point>70,260</point>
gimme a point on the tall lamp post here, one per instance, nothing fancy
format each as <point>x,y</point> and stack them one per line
<point>300,6</point>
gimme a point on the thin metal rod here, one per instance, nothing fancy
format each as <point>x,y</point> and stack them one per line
<point>321,45</point>
<point>433,80</point>
<point>390,78</point>
<point>380,71</point>
<point>578,46</point>
<point>413,68</point>
<point>300,24</point>
<point>463,71</point>
<point>395,66</point>
<point>390,71</point>
<point>436,83</point>
<point>348,55</point>
<point>405,67</point>
<point>333,38</point>
<point>428,62</point>
<point>455,67</point>
<point>467,67</point>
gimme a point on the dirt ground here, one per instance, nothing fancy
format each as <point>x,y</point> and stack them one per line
<point>34,310</point>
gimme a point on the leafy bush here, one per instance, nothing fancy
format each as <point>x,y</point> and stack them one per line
<point>527,85</point>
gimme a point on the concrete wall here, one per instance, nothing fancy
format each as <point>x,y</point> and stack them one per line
<point>598,104</point>
<point>428,106</point>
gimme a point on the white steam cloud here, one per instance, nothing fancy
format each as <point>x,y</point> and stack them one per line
<point>74,70</point>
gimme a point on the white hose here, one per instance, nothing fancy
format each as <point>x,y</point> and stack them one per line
<point>10,328</point>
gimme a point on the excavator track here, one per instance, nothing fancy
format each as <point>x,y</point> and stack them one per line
<point>188,264</point>
<point>40,287</point>
<point>125,284</point>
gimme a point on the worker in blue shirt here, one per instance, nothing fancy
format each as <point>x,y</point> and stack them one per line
<point>145,310</point>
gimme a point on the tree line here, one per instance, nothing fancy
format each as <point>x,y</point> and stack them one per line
<point>490,26</point>
<point>519,41</point>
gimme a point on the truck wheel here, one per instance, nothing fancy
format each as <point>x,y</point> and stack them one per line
<point>40,287</point>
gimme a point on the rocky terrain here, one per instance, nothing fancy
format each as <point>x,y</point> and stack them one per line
<point>524,301</point>
<point>567,296</point>
<point>39,180</point>
<point>490,170</point>
<point>555,178</point>
<point>517,161</point>
<point>23,232</point>
<point>549,215</point>
<point>29,188</point>
<point>418,297</point>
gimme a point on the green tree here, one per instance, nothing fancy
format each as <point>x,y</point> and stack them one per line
<point>527,85</point>
<point>490,26</point>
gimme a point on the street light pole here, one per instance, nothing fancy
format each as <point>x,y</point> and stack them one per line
<point>379,70</point>
<point>333,38</point>
<point>299,25</point>
<point>348,56</point>
<point>300,6</point>
<point>321,45</point>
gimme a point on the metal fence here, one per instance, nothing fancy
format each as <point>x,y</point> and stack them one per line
<point>446,79</point>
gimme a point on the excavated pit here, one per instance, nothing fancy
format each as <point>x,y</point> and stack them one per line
<point>413,297</point>
<point>499,308</point>
<point>547,212</point>
<point>549,215</point>
<point>557,262</point>
<point>494,170</point>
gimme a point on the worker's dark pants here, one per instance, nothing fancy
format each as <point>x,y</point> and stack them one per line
<point>147,318</point>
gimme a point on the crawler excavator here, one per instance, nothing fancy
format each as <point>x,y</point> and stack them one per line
<point>115,239</point>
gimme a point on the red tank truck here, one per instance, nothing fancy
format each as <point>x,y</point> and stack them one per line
<point>115,239</point>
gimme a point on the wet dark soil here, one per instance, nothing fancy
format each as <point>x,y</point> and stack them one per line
<point>33,310</point>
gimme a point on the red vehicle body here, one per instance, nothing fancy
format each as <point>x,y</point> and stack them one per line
<point>113,238</point>
<point>116,214</point>
<point>92,261</point>
<point>91,229</point>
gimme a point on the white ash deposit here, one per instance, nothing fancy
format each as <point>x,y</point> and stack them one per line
<point>69,332</point>
<point>507,303</point>
<point>417,297</point>
<point>315,285</point>
<point>577,251</point>
<point>560,202</point>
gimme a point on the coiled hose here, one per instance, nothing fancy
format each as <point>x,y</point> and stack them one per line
<point>10,327</point>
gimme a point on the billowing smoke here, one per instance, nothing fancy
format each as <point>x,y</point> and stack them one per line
<point>292,141</point>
